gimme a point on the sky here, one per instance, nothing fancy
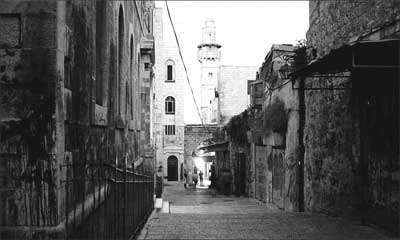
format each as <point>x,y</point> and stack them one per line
<point>245,29</point>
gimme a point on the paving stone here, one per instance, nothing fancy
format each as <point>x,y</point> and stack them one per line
<point>196,214</point>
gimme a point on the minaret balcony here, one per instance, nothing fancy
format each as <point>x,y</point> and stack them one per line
<point>209,45</point>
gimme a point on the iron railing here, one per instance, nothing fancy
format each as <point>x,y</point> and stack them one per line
<point>104,201</point>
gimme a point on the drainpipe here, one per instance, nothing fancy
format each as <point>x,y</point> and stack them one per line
<point>302,121</point>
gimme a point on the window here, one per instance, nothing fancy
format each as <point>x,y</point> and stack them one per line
<point>127,97</point>
<point>147,66</point>
<point>101,82</point>
<point>169,129</point>
<point>120,54</point>
<point>170,71</point>
<point>169,75</point>
<point>131,79</point>
<point>170,105</point>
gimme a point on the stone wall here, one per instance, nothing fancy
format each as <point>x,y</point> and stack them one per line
<point>28,161</point>
<point>331,149</point>
<point>338,179</point>
<point>333,23</point>
<point>335,181</point>
<point>70,92</point>
<point>232,89</point>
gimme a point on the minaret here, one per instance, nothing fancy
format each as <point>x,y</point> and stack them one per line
<point>209,56</point>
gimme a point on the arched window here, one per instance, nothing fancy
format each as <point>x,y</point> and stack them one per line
<point>101,82</point>
<point>170,71</point>
<point>120,54</point>
<point>131,79</point>
<point>170,105</point>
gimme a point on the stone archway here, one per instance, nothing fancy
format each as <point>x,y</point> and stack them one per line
<point>195,135</point>
<point>172,168</point>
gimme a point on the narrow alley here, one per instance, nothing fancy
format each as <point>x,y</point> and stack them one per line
<point>198,214</point>
<point>288,109</point>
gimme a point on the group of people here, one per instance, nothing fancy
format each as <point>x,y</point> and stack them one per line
<point>192,178</point>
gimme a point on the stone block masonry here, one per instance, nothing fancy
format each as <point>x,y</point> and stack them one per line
<point>333,23</point>
<point>70,96</point>
<point>350,168</point>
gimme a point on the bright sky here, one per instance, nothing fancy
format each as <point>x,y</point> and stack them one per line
<point>245,29</point>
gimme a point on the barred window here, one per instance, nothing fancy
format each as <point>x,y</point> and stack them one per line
<point>169,129</point>
<point>170,105</point>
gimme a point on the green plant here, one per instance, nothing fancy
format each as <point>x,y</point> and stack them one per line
<point>275,117</point>
<point>302,51</point>
<point>237,127</point>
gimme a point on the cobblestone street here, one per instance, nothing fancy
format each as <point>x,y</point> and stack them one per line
<point>197,214</point>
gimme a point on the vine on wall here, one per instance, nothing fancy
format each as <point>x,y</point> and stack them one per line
<point>275,117</point>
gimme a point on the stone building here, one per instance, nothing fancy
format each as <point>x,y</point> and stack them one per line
<point>168,100</point>
<point>223,89</point>
<point>209,56</point>
<point>231,96</point>
<point>254,150</point>
<point>349,110</point>
<point>274,140</point>
<point>74,87</point>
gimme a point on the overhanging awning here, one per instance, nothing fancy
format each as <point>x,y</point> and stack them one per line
<point>362,54</point>
<point>217,147</point>
<point>208,158</point>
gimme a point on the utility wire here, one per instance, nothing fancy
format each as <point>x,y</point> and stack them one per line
<point>184,66</point>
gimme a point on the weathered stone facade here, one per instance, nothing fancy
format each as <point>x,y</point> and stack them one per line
<point>275,158</point>
<point>331,153</point>
<point>171,144</point>
<point>350,168</point>
<point>333,23</point>
<point>70,96</point>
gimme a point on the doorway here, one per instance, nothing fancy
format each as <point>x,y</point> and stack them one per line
<point>240,176</point>
<point>172,168</point>
<point>278,176</point>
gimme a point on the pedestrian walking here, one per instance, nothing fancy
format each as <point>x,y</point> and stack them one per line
<point>185,175</point>
<point>195,179</point>
<point>201,178</point>
<point>213,176</point>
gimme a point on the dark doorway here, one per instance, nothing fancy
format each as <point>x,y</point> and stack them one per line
<point>172,163</point>
<point>379,144</point>
<point>240,179</point>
